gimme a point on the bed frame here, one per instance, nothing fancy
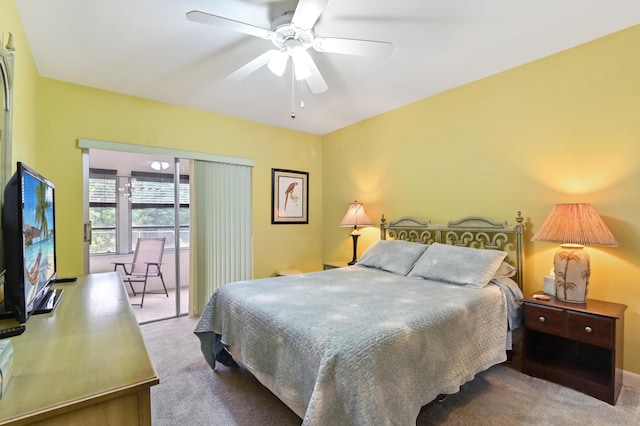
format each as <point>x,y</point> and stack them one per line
<point>470,231</point>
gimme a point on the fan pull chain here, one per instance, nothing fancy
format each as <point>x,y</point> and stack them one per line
<point>293,93</point>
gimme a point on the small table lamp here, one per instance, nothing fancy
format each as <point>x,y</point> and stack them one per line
<point>356,216</point>
<point>573,226</point>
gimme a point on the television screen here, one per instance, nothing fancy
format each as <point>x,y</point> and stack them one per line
<point>39,231</point>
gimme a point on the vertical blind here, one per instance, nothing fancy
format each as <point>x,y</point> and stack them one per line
<point>221,234</point>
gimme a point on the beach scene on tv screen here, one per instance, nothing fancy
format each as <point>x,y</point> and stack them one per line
<point>39,231</point>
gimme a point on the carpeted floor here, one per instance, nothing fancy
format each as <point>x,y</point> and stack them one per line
<point>190,393</point>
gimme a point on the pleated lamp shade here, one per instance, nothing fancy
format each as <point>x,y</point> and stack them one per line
<point>356,216</point>
<point>574,226</point>
<point>576,223</point>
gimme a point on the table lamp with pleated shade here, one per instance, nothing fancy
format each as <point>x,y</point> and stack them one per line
<point>573,226</point>
<point>355,216</point>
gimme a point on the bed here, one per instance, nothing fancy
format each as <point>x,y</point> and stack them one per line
<point>424,310</point>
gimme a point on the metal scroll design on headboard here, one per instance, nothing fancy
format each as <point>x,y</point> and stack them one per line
<point>471,231</point>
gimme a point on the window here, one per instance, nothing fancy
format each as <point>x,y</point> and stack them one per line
<point>123,208</point>
<point>152,207</point>
<point>102,210</point>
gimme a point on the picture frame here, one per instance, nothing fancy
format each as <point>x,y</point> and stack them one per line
<point>289,197</point>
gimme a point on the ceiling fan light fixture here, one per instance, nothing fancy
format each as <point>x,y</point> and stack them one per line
<point>301,61</point>
<point>278,63</point>
<point>302,70</point>
<point>159,165</point>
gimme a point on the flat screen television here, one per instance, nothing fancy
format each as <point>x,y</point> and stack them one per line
<point>29,237</point>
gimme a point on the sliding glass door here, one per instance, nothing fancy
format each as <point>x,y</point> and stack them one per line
<point>127,196</point>
<point>135,196</point>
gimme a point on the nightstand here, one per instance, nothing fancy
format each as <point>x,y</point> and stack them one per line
<point>333,265</point>
<point>576,345</point>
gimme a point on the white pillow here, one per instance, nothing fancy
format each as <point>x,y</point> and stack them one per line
<point>395,256</point>
<point>458,265</point>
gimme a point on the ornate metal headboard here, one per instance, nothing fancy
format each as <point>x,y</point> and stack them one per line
<point>470,231</point>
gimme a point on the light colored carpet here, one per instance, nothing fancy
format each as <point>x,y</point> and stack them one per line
<point>190,393</point>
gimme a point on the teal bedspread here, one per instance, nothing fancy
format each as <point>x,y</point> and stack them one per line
<point>358,346</point>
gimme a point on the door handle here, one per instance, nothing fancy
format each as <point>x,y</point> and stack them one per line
<point>87,232</point>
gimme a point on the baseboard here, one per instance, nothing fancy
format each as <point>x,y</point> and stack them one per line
<point>631,379</point>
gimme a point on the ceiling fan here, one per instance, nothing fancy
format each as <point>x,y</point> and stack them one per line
<point>292,35</point>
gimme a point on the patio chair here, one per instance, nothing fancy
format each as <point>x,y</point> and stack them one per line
<point>147,262</point>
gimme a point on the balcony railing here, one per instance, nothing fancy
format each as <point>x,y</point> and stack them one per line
<point>104,238</point>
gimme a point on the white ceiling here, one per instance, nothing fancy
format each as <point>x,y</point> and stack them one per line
<point>148,49</point>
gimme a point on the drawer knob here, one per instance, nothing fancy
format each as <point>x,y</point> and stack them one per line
<point>588,329</point>
<point>542,319</point>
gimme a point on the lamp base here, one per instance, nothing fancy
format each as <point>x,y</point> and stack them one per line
<point>573,268</point>
<point>355,234</point>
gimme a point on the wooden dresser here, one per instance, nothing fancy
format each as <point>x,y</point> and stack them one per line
<point>576,345</point>
<point>85,363</point>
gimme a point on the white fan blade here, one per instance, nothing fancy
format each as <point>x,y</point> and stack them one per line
<point>307,13</point>
<point>315,81</point>
<point>227,24</point>
<point>252,66</point>
<point>349,46</point>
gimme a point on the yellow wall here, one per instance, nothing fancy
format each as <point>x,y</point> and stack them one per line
<point>561,129</point>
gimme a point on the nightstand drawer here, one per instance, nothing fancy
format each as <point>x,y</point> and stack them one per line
<point>591,329</point>
<point>545,319</point>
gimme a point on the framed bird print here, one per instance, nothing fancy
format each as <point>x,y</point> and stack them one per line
<point>289,196</point>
